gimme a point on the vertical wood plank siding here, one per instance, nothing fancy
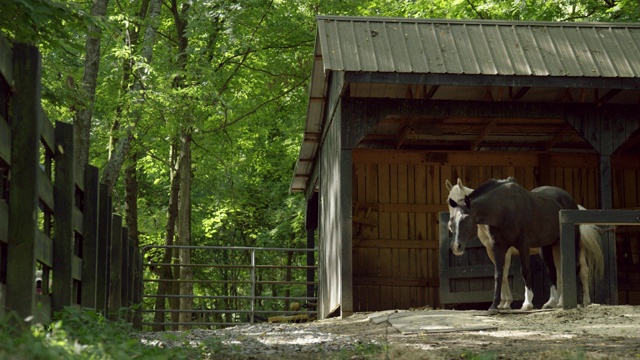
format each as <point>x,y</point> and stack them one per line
<point>397,196</point>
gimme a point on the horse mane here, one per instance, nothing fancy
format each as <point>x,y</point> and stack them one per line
<point>489,186</point>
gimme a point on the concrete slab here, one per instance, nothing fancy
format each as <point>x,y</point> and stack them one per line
<point>432,321</point>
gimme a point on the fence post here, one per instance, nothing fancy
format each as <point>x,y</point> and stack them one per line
<point>115,268</point>
<point>124,272</point>
<point>64,194</point>
<point>131,281</point>
<point>23,187</point>
<point>137,289</point>
<point>90,237</point>
<point>253,285</point>
<point>104,249</point>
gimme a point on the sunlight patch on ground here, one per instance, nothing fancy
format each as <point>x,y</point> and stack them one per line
<point>529,335</point>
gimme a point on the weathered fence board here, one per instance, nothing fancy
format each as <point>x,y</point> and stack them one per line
<point>24,167</point>
<point>90,238</point>
<point>64,235</point>
<point>72,255</point>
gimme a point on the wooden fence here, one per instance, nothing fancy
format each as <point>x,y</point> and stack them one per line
<point>55,221</point>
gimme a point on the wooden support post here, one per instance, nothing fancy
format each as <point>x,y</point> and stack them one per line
<point>568,264</point>
<point>125,267</point>
<point>606,201</point>
<point>568,220</point>
<point>63,196</point>
<point>103,248</point>
<point>90,237</point>
<point>24,184</point>
<point>137,289</point>
<point>115,268</point>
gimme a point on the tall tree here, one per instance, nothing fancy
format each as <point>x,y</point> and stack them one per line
<point>120,142</point>
<point>84,112</point>
<point>179,12</point>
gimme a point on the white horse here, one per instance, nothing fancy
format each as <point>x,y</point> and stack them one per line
<point>590,258</point>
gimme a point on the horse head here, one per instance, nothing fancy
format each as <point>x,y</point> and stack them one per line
<point>462,224</point>
<point>457,192</point>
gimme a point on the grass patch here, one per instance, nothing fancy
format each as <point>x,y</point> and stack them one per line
<point>79,334</point>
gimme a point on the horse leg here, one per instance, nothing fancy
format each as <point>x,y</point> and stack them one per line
<point>584,278</point>
<point>526,276</point>
<point>548,258</point>
<point>499,252</point>
<point>506,298</point>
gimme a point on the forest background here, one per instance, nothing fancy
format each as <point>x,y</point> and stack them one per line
<point>194,111</point>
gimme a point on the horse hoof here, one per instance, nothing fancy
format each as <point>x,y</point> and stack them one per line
<point>492,311</point>
<point>527,307</point>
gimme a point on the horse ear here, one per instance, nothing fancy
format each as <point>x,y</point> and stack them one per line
<point>467,201</point>
<point>448,184</point>
<point>460,183</point>
<point>452,203</point>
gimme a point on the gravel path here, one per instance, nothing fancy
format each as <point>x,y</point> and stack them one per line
<point>594,332</point>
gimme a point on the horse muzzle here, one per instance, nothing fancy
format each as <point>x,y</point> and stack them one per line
<point>457,248</point>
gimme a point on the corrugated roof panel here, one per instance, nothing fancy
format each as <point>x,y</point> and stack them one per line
<point>564,53</point>
<point>417,52</point>
<point>613,43</point>
<point>515,51</point>
<point>496,46</point>
<point>435,60</point>
<point>469,59</point>
<point>531,52</point>
<point>398,44</point>
<point>448,48</point>
<point>481,49</point>
<point>627,39</point>
<point>380,40</point>
<point>348,45</point>
<point>586,65</point>
<point>324,35</point>
<point>547,50</point>
<point>366,49</point>
<point>603,57</point>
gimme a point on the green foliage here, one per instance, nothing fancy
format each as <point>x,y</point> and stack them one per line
<point>48,23</point>
<point>79,334</point>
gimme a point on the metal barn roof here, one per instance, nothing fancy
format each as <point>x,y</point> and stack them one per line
<point>479,47</point>
<point>468,59</point>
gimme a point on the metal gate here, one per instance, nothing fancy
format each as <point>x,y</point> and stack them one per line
<point>231,286</point>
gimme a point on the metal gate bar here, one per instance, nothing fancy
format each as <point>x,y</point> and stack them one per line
<point>248,278</point>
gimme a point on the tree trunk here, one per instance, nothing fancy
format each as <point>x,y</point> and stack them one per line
<point>184,168</point>
<point>121,144</point>
<point>184,227</point>
<point>82,120</point>
<point>166,273</point>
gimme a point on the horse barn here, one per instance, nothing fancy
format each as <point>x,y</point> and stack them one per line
<point>398,106</point>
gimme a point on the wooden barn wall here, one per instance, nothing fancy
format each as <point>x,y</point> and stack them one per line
<point>626,195</point>
<point>397,196</point>
<point>332,263</point>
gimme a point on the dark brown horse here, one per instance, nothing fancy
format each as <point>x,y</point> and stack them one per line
<point>515,218</point>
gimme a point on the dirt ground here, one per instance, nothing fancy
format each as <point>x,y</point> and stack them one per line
<point>593,332</point>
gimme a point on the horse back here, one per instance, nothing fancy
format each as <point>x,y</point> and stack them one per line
<point>559,195</point>
<point>530,216</point>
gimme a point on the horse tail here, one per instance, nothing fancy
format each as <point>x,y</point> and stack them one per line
<point>590,242</point>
